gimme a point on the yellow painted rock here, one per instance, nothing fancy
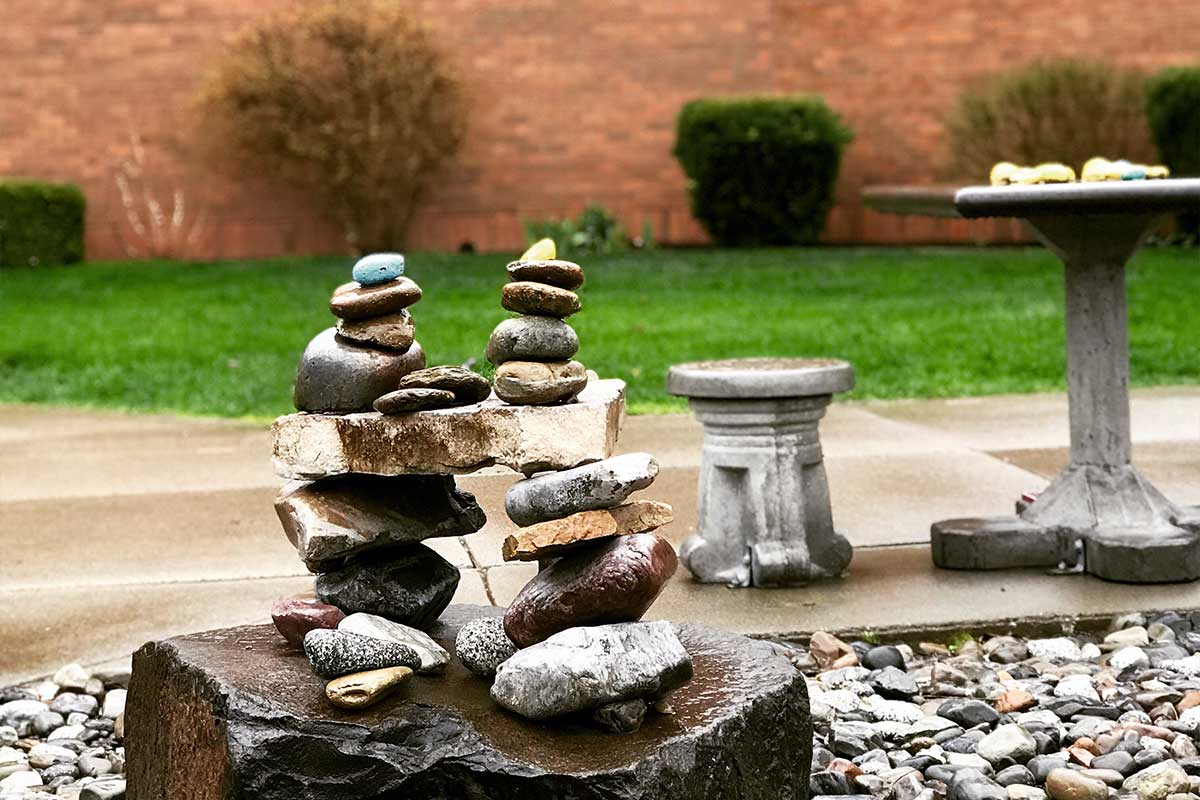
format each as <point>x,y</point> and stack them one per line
<point>1099,169</point>
<point>365,688</point>
<point>1025,175</point>
<point>1157,172</point>
<point>541,250</point>
<point>1002,172</point>
<point>1056,173</point>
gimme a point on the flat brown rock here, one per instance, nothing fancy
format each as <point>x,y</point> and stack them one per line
<point>391,331</point>
<point>527,297</point>
<point>553,538</point>
<point>528,439</point>
<point>355,301</point>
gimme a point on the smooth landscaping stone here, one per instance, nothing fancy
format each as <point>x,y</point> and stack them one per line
<point>614,581</point>
<point>532,339</point>
<point>1066,784</point>
<point>332,519</point>
<point>968,713</point>
<point>353,301</point>
<point>560,536</point>
<point>468,387</point>
<point>338,377</point>
<point>109,787</point>
<point>584,668</point>
<point>225,689</point>
<point>434,657</point>
<point>893,684</point>
<point>1158,781</point>
<point>406,401</point>
<point>334,653</point>
<point>410,584</point>
<point>534,383</point>
<point>883,656</point>
<point>363,689</point>
<point>1008,743</point>
<point>482,646</point>
<point>555,272</point>
<point>458,440</point>
<point>294,617</point>
<point>539,299</point>
<point>390,332</point>
<point>602,484</point>
<point>377,268</point>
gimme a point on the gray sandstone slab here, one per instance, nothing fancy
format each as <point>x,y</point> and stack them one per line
<point>235,714</point>
<point>603,484</point>
<point>334,518</point>
<point>584,668</point>
<point>434,657</point>
<point>528,439</point>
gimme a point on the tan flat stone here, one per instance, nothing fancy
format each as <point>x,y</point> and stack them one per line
<point>527,439</point>
<point>363,689</point>
<point>550,539</point>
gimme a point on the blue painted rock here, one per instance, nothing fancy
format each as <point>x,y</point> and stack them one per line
<point>613,581</point>
<point>294,617</point>
<point>409,584</point>
<point>339,377</point>
<point>333,653</point>
<point>378,268</point>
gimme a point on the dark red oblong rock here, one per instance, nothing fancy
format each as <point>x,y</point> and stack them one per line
<point>296,616</point>
<point>614,581</point>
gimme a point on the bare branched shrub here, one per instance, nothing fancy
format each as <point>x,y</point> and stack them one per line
<point>1065,111</point>
<point>351,102</point>
<point>157,228</point>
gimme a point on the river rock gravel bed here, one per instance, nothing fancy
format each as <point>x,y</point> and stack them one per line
<point>1115,715</point>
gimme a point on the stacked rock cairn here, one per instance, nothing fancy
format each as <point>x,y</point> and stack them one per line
<point>377,586</point>
<point>533,352</point>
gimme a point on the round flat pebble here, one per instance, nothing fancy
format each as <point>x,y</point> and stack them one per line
<point>391,331</point>
<point>532,339</point>
<point>526,297</point>
<point>482,646</point>
<point>353,301</point>
<point>403,401</point>
<point>563,274</point>
<point>467,386</point>
<point>378,268</point>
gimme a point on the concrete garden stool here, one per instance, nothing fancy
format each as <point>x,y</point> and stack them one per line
<point>763,512</point>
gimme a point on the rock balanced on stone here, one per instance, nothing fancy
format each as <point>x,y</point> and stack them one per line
<point>533,352</point>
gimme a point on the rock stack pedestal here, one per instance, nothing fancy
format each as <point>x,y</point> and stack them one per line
<point>533,352</point>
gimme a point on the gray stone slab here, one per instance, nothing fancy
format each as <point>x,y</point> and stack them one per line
<point>760,378</point>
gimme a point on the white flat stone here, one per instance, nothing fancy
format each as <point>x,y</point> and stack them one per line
<point>528,439</point>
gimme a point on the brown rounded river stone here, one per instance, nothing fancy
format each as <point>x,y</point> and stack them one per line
<point>536,383</point>
<point>355,301</point>
<point>526,297</point>
<point>615,581</point>
<point>563,274</point>
<point>468,387</point>
<point>392,331</point>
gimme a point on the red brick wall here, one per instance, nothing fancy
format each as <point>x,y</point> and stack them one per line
<point>573,102</point>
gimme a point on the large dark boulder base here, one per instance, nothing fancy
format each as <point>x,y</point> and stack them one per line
<point>236,713</point>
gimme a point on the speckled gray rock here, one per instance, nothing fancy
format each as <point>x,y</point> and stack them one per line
<point>332,519</point>
<point>338,377</point>
<point>482,646</point>
<point>532,339</point>
<point>434,657</point>
<point>410,584</point>
<point>406,401</point>
<point>625,716</point>
<point>584,668</point>
<point>603,484</point>
<point>333,653</point>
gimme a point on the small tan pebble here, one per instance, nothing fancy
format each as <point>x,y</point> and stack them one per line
<point>1157,172</point>
<point>363,689</point>
<point>1056,173</point>
<point>527,297</point>
<point>535,383</point>
<point>1001,172</point>
<point>1025,176</point>
<point>1098,169</point>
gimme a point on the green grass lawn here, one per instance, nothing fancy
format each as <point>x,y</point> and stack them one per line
<point>223,338</point>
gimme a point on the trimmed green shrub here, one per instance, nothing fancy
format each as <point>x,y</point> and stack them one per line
<point>1173,110</point>
<point>761,170</point>
<point>1066,111</point>
<point>40,223</point>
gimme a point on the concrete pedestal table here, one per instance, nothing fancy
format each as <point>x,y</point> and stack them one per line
<point>1101,506</point>
<point>764,515</point>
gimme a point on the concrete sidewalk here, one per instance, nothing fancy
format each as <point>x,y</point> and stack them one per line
<point>117,528</point>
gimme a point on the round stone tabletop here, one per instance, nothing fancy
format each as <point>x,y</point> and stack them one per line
<point>761,378</point>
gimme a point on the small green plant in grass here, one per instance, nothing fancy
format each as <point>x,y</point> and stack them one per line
<point>956,641</point>
<point>593,232</point>
<point>40,223</point>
